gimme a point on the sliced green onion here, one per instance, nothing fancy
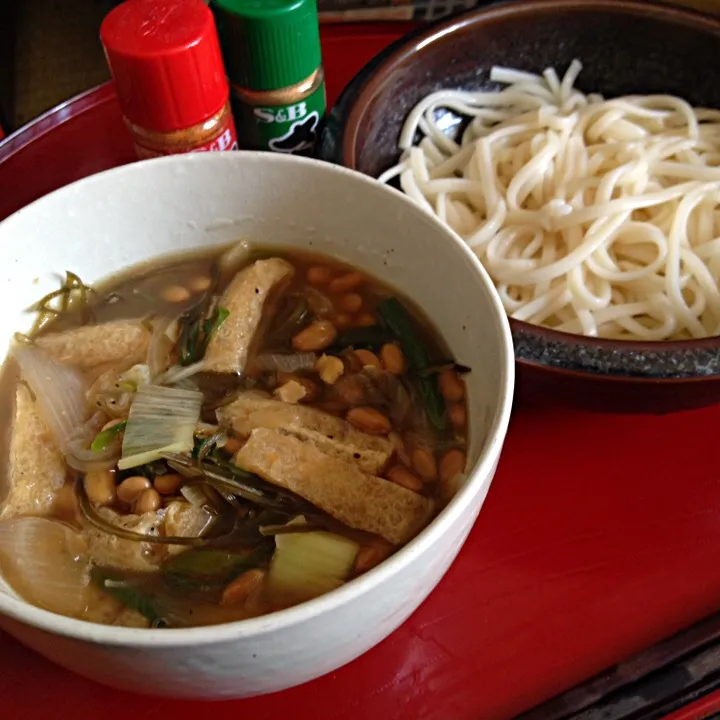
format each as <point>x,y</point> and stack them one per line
<point>203,445</point>
<point>161,420</point>
<point>134,378</point>
<point>105,438</point>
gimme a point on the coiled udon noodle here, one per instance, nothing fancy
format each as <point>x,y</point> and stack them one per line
<point>592,216</point>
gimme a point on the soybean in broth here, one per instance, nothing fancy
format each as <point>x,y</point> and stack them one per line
<point>386,404</point>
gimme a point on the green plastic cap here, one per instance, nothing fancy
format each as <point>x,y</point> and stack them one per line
<point>268,44</point>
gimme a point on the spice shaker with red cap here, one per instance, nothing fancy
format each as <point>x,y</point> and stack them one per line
<point>165,60</point>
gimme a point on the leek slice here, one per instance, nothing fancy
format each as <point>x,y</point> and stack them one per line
<point>308,564</point>
<point>162,420</point>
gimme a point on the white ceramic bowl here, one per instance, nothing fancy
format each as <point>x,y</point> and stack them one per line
<point>134,213</point>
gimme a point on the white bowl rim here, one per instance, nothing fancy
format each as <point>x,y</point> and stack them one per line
<point>112,635</point>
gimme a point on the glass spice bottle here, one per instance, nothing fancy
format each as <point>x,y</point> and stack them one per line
<point>273,59</point>
<point>166,63</point>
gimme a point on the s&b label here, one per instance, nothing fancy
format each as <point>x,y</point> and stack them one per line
<point>291,128</point>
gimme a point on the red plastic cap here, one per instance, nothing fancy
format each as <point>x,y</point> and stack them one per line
<point>165,59</point>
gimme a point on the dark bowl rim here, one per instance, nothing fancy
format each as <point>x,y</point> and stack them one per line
<point>615,377</point>
<point>340,133</point>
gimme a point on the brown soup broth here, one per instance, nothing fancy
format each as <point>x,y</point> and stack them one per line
<point>373,376</point>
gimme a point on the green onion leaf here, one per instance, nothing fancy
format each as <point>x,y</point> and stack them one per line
<point>221,315</point>
<point>367,338</point>
<point>105,438</point>
<point>187,342</point>
<point>198,323</point>
<point>446,365</point>
<point>196,330</point>
<point>290,318</point>
<point>211,569</point>
<point>398,320</point>
<point>128,595</point>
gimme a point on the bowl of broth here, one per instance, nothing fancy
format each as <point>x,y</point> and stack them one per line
<point>584,179</point>
<point>247,429</point>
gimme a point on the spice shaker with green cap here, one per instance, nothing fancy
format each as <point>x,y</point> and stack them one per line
<point>272,56</point>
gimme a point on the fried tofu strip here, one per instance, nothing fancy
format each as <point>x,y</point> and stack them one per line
<point>338,487</point>
<point>330,434</point>
<point>36,468</point>
<point>184,520</point>
<point>107,550</point>
<point>180,518</point>
<point>92,345</point>
<point>245,299</point>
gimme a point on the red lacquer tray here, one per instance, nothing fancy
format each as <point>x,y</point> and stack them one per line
<point>600,535</point>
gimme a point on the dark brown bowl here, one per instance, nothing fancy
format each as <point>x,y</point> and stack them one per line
<point>625,47</point>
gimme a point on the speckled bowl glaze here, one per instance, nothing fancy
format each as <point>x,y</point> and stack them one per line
<point>625,47</point>
<point>132,214</point>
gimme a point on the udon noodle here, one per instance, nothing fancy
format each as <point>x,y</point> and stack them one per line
<point>592,216</point>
